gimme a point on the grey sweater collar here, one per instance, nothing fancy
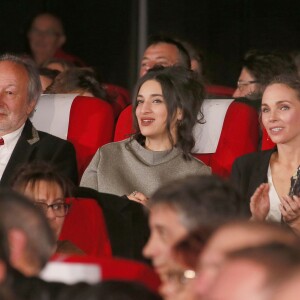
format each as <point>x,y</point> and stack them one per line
<point>150,157</point>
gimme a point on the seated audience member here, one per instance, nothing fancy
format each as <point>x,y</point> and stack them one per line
<point>48,190</point>
<point>230,237</point>
<point>183,206</point>
<point>265,178</point>
<point>258,69</point>
<point>166,106</point>
<point>26,243</point>
<point>164,51</point>
<point>46,37</point>
<point>20,142</point>
<point>30,239</point>
<point>253,273</point>
<point>58,64</point>
<point>82,81</point>
<point>241,128</point>
<point>196,58</point>
<point>47,76</point>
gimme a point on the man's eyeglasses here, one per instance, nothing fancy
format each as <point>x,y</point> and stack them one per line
<point>60,209</point>
<point>241,84</point>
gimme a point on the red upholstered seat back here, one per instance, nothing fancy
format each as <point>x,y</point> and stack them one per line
<point>117,269</point>
<point>91,125</point>
<point>239,136</point>
<point>85,227</point>
<point>120,96</point>
<point>219,90</point>
<point>124,125</point>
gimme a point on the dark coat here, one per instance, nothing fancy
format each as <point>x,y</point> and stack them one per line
<point>126,222</point>
<point>36,145</point>
<point>249,171</point>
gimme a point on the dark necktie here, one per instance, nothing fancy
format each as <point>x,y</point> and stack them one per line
<point>1,141</point>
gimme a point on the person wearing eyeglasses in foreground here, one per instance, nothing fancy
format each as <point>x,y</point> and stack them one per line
<point>258,69</point>
<point>40,182</point>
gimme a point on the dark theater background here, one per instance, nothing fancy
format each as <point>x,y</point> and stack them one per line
<point>106,33</point>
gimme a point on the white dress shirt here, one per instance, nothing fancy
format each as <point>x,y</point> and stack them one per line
<point>10,141</point>
<point>274,212</point>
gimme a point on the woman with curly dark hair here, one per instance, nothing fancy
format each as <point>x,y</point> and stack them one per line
<point>166,106</point>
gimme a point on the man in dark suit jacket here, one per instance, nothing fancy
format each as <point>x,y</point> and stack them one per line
<point>20,142</point>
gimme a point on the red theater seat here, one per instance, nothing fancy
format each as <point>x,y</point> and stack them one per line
<point>85,227</point>
<point>239,136</point>
<point>219,90</point>
<point>109,269</point>
<point>87,122</point>
<point>121,97</point>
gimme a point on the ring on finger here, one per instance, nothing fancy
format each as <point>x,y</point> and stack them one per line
<point>134,193</point>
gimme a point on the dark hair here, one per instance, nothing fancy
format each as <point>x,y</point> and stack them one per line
<point>290,80</point>
<point>32,173</point>
<point>181,89</point>
<point>51,74</point>
<point>75,79</point>
<point>202,201</point>
<point>18,212</point>
<point>66,65</point>
<point>34,89</point>
<point>185,60</point>
<point>194,54</point>
<point>264,66</point>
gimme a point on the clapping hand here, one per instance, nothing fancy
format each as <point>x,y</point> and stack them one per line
<point>290,210</point>
<point>260,203</point>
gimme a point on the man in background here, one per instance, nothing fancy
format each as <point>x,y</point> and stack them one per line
<point>46,37</point>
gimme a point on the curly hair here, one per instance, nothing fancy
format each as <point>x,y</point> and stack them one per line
<point>181,89</point>
<point>78,79</point>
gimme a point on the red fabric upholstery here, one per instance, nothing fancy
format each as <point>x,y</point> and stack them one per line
<point>124,125</point>
<point>266,142</point>
<point>239,136</point>
<point>219,90</point>
<point>117,269</point>
<point>85,227</point>
<point>91,125</point>
<point>121,97</point>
